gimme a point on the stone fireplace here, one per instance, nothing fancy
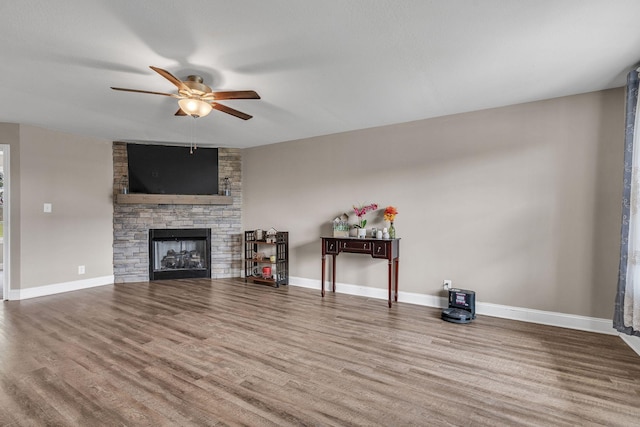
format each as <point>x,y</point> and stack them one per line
<point>132,222</point>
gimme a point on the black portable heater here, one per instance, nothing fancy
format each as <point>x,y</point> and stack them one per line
<point>462,306</point>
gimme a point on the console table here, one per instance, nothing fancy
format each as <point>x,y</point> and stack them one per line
<point>388,249</point>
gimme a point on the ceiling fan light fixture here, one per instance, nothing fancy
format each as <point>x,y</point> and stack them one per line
<point>195,107</point>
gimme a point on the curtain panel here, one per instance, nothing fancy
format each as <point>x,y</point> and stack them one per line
<point>627,307</point>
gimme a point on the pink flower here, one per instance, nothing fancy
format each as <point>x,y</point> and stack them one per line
<point>361,211</point>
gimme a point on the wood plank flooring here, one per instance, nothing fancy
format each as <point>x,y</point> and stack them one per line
<point>222,352</point>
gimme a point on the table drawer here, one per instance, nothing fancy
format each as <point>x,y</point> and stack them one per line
<point>331,246</point>
<point>358,246</point>
<point>381,249</point>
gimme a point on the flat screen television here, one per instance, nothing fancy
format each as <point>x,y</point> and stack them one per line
<point>163,169</point>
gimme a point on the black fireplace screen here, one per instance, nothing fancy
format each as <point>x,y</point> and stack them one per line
<point>182,254</point>
<point>179,253</point>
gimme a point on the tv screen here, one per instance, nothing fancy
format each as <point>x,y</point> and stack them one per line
<point>162,169</point>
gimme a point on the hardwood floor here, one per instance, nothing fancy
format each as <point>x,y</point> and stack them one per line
<point>222,352</point>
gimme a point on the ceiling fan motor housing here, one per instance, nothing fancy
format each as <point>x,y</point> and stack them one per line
<point>195,83</point>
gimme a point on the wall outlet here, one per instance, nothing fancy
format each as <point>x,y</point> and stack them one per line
<point>81,269</point>
<point>446,284</point>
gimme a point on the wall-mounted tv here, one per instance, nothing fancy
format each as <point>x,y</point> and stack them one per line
<point>163,169</point>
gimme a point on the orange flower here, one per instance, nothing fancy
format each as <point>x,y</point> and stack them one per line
<point>390,213</point>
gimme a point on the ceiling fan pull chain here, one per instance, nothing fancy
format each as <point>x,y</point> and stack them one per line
<point>191,135</point>
<point>193,130</point>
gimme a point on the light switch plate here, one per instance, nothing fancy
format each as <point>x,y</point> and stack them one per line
<point>47,207</point>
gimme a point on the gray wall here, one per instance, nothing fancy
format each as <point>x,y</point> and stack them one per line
<point>73,173</point>
<point>520,204</point>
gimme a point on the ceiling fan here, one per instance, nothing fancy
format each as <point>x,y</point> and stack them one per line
<point>196,99</point>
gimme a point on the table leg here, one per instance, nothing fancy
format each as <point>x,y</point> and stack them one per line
<point>397,273</point>
<point>333,270</point>
<point>323,268</point>
<point>389,281</point>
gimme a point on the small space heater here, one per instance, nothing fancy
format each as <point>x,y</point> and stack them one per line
<point>462,306</point>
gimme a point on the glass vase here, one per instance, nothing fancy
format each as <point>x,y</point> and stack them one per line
<point>392,231</point>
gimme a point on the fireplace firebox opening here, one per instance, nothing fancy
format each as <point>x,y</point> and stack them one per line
<point>179,253</point>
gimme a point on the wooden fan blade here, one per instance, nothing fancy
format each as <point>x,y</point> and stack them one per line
<point>180,112</point>
<point>233,94</point>
<point>173,79</point>
<point>228,110</point>
<point>146,91</point>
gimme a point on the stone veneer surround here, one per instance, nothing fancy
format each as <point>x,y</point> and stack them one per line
<point>131,223</point>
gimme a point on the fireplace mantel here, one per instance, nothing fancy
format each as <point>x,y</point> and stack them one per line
<point>173,199</point>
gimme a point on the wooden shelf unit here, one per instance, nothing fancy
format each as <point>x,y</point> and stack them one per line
<point>253,266</point>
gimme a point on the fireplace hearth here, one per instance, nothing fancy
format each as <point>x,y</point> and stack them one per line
<point>179,253</point>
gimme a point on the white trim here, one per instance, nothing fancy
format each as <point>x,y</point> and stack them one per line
<point>343,288</point>
<point>6,226</point>
<point>632,341</point>
<point>562,320</point>
<point>57,288</point>
<point>551,318</point>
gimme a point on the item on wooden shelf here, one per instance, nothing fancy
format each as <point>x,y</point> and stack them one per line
<point>390,213</point>
<point>385,233</point>
<point>272,258</point>
<point>361,211</point>
<point>259,234</point>
<point>266,272</point>
<point>271,235</point>
<point>226,186</point>
<point>362,233</point>
<point>124,185</point>
<point>379,234</point>
<point>341,226</point>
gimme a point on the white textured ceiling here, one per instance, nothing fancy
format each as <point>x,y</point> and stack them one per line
<point>321,67</point>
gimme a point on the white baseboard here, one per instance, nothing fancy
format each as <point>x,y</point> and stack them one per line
<point>342,288</point>
<point>632,341</point>
<point>551,318</point>
<point>57,288</point>
<point>562,320</point>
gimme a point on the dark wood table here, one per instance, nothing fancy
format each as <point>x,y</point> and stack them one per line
<point>388,249</point>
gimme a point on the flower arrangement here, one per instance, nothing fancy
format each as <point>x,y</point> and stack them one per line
<point>390,213</point>
<point>361,211</point>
